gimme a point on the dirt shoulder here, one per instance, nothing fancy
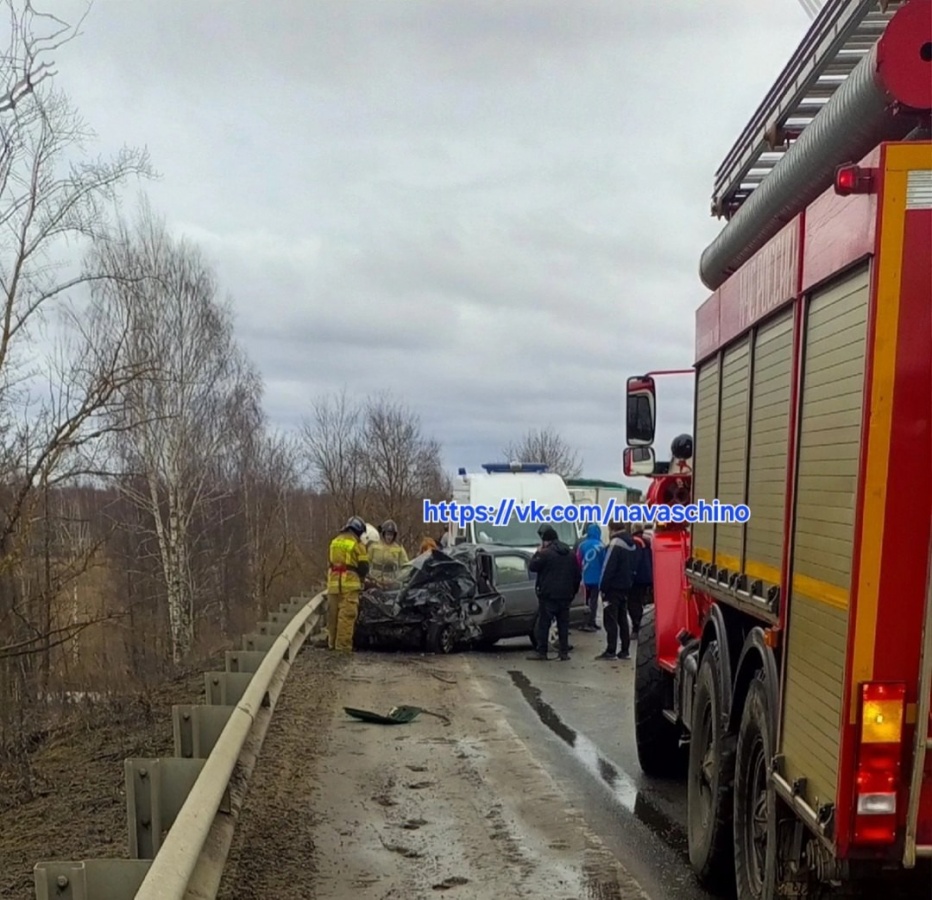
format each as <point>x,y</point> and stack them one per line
<point>80,810</point>
<point>455,805</point>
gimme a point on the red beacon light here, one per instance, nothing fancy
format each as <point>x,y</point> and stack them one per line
<point>852,179</point>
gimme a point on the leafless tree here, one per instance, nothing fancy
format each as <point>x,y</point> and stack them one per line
<point>270,476</point>
<point>54,446</point>
<point>175,422</point>
<point>48,196</point>
<point>333,447</point>
<point>53,404</point>
<point>371,457</point>
<point>545,445</point>
<point>398,458</point>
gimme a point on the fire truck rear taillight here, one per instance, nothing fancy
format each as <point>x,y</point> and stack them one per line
<point>879,762</point>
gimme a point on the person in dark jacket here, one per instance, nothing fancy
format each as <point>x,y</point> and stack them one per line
<point>643,578</point>
<point>558,579</point>
<point>615,585</point>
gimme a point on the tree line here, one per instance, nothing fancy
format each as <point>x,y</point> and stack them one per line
<point>149,510</point>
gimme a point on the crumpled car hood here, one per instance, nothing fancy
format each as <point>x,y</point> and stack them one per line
<point>439,590</point>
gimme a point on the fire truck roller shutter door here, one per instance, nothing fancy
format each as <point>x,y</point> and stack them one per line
<point>767,456</point>
<point>830,437</point>
<point>705,463</point>
<point>732,450</point>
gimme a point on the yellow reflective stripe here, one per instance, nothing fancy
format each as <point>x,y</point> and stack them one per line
<point>732,563</point>
<point>751,568</point>
<point>821,591</point>
<point>763,572</point>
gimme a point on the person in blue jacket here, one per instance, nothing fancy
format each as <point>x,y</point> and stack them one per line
<point>591,556</point>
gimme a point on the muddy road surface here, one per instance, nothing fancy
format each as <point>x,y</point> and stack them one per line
<point>578,717</point>
<point>453,803</point>
<point>520,781</point>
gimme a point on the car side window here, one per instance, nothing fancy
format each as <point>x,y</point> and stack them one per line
<point>510,570</point>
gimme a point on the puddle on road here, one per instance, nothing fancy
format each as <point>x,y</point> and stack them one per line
<point>624,791</point>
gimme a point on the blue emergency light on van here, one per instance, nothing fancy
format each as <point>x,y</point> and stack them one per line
<point>514,467</point>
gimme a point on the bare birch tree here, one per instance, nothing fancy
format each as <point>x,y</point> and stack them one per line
<point>176,421</point>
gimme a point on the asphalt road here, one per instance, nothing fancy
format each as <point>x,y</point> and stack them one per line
<point>577,717</point>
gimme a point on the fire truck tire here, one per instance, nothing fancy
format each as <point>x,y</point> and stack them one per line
<point>656,737</point>
<point>710,778</point>
<point>755,800</point>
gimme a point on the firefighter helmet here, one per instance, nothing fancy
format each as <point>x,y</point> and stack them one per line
<point>682,447</point>
<point>356,525</point>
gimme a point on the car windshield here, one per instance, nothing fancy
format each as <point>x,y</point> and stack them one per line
<point>521,534</point>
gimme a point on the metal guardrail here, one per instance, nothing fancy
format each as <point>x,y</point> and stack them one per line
<point>182,810</point>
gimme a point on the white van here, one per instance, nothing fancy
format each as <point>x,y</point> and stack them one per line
<point>501,482</point>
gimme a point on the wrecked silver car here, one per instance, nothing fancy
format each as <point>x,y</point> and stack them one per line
<point>469,595</point>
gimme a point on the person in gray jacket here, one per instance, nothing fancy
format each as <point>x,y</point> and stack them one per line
<point>615,585</point>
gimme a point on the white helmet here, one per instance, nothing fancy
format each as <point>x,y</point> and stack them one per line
<point>371,535</point>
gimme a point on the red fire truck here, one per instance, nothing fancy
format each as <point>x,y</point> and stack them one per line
<point>786,668</point>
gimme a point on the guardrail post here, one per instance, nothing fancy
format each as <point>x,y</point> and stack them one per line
<point>256,641</point>
<point>90,879</point>
<point>225,688</point>
<point>155,792</point>
<point>291,608</point>
<point>271,627</point>
<point>196,728</point>
<point>280,618</point>
<point>243,660</point>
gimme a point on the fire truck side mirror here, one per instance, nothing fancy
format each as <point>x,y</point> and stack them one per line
<point>640,412</point>
<point>639,461</point>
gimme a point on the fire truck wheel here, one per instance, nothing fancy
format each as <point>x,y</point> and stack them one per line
<point>657,738</point>
<point>710,778</point>
<point>755,815</point>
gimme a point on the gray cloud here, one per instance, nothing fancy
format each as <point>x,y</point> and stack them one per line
<point>495,209</point>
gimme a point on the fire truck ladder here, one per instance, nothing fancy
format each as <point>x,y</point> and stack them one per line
<point>912,850</point>
<point>840,36</point>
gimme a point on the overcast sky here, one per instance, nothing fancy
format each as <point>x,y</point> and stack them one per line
<point>495,210</point>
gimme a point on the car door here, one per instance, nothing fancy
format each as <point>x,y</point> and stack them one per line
<point>516,585</point>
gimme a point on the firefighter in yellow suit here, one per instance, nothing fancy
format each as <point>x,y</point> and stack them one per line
<point>349,566</point>
<point>388,556</point>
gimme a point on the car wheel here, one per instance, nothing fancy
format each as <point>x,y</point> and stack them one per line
<point>440,639</point>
